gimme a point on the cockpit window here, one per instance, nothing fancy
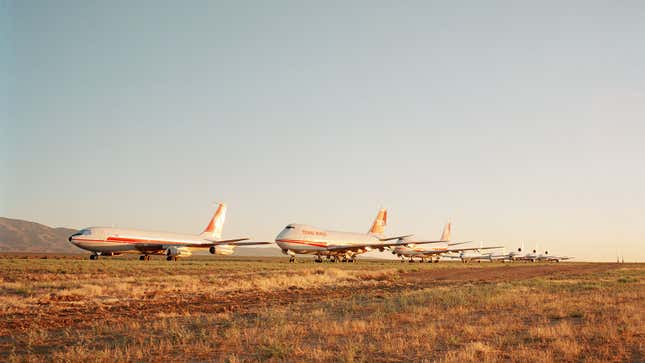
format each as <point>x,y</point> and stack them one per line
<point>290,227</point>
<point>82,232</point>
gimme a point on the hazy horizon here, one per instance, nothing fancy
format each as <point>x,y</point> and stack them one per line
<point>518,123</point>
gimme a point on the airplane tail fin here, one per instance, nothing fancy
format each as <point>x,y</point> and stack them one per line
<point>214,228</point>
<point>447,229</point>
<point>378,227</point>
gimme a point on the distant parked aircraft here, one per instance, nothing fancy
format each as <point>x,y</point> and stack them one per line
<point>474,254</point>
<point>336,246</point>
<point>410,249</point>
<point>107,241</point>
<point>551,258</point>
<point>531,256</point>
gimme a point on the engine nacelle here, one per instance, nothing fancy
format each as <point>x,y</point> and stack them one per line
<point>178,252</point>
<point>222,250</point>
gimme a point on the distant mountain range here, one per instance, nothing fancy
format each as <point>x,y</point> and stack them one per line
<point>24,236</point>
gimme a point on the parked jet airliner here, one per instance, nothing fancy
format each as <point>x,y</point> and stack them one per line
<point>438,249</point>
<point>107,241</point>
<point>344,246</point>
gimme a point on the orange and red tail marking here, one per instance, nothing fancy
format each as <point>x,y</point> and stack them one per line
<point>216,223</point>
<point>380,222</point>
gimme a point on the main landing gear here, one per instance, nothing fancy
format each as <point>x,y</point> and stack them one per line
<point>171,258</point>
<point>94,257</point>
<point>145,258</point>
<point>292,259</point>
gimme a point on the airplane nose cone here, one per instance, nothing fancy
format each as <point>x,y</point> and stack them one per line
<point>70,238</point>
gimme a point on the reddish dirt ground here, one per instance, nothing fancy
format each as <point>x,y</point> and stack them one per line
<point>52,314</point>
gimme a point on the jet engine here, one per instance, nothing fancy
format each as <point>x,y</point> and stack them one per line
<point>178,252</point>
<point>222,250</point>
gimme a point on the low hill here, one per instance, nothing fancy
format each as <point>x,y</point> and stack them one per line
<point>23,236</point>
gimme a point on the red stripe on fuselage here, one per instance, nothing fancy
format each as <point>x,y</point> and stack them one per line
<point>133,241</point>
<point>309,243</point>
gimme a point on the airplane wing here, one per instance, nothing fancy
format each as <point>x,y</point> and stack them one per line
<point>449,250</point>
<point>395,238</point>
<point>250,243</point>
<point>232,242</point>
<point>458,243</point>
<point>471,249</point>
<point>215,242</point>
<point>374,245</point>
<point>158,247</point>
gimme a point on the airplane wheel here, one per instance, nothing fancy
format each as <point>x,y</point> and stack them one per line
<point>169,258</point>
<point>292,259</point>
<point>142,258</point>
<point>92,257</point>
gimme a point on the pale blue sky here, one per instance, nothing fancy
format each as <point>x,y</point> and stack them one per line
<point>518,120</point>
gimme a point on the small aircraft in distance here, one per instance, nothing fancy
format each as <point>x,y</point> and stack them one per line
<point>532,256</point>
<point>550,258</point>
<point>108,241</point>
<point>336,246</point>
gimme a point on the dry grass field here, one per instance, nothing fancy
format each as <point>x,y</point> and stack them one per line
<point>215,309</point>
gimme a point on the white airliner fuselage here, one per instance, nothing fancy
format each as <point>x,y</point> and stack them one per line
<point>108,241</point>
<point>417,251</point>
<point>118,240</point>
<point>305,239</point>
